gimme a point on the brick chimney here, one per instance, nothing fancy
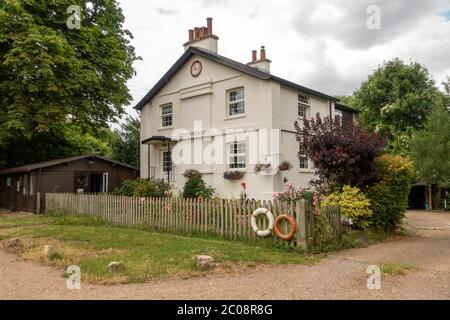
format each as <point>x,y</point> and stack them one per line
<point>263,63</point>
<point>202,37</point>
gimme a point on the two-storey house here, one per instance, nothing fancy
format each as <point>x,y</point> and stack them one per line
<point>214,114</point>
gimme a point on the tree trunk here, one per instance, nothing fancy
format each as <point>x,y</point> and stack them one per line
<point>430,197</point>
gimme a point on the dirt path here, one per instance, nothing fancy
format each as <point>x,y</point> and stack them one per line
<point>340,276</point>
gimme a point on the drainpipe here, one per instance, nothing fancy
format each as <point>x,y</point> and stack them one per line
<point>168,170</point>
<point>148,161</point>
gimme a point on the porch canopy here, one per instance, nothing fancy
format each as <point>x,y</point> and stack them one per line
<point>158,140</point>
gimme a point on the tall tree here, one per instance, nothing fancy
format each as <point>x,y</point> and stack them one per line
<point>56,143</point>
<point>52,76</point>
<point>396,99</point>
<point>430,150</point>
<point>125,143</point>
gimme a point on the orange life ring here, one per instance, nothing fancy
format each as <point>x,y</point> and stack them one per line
<point>291,221</point>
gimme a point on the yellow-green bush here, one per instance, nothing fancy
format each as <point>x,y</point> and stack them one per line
<point>353,204</point>
<point>389,196</point>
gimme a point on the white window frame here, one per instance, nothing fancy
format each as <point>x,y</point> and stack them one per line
<point>163,167</point>
<point>303,161</point>
<point>304,103</point>
<point>338,113</point>
<point>232,155</point>
<point>232,102</point>
<point>105,184</point>
<point>25,179</point>
<point>166,115</point>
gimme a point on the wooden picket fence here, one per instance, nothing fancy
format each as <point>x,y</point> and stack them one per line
<point>227,218</point>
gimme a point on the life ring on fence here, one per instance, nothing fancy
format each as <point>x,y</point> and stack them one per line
<point>292,223</point>
<point>269,215</point>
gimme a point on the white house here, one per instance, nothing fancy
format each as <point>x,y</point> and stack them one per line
<point>188,119</point>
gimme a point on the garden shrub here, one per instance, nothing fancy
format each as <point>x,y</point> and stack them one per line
<point>144,188</point>
<point>195,187</point>
<point>353,204</point>
<point>126,188</point>
<point>192,173</point>
<point>389,196</point>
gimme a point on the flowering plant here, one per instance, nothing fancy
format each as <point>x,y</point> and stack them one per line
<point>233,174</point>
<point>347,222</point>
<point>291,193</point>
<point>261,166</point>
<point>285,165</point>
<point>243,194</point>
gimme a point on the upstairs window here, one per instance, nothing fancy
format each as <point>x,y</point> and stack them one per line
<point>236,155</point>
<point>303,106</point>
<point>236,102</point>
<point>166,115</point>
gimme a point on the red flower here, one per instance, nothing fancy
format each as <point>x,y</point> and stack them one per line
<point>243,185</point>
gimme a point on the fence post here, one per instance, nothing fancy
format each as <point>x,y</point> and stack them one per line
<point>302,222</point>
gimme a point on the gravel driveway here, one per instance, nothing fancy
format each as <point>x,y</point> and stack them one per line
<point>342,275</point>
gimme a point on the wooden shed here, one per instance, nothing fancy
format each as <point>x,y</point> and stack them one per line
<point>19,186</point>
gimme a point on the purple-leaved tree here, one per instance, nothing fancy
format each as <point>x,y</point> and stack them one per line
<point>343,155</point>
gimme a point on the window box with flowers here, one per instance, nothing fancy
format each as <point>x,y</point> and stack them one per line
<point>233,174</point>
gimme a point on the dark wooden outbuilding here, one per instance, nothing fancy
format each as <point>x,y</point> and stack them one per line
<point>19,186</point>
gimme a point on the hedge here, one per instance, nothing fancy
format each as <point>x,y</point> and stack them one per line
<point>389,196</point>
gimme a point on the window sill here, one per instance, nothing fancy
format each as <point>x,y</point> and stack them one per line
<point>306,170</point>
<point>165,128</point>
<point>238,169</point>
<point>236,117</point>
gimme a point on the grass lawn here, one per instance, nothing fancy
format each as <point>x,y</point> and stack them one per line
<point>92,244</point>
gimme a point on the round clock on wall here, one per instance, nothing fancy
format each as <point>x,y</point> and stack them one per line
<point>196,68</point>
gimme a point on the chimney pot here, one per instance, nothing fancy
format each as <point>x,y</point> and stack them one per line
<point>263,53</point>
<point>254,58</point>
<point>209,25</point>
<point>191,35</point>
<point>196,33</point>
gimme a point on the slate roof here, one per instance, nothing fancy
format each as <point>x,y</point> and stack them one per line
<point>226,62</point>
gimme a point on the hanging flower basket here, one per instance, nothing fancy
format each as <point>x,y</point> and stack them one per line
<point>233,175</point>
<point>285,166</point>
<point>261,167</point>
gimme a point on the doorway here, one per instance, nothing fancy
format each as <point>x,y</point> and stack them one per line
<point>91,182</point>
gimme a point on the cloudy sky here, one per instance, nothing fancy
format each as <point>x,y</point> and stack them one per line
<point>325,45</point>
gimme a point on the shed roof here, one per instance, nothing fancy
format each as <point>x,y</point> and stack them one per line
<point>55,162</point>
<point>226,62</point>
<point>341,106</point>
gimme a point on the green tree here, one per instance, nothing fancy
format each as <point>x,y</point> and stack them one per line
<point>125,143</point>
<point>396,99</point>
<point>58,143</point>
<point>52,77</point>
<point>430,150</point>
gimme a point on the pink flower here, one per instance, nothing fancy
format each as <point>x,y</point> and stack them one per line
<point>243,185</point>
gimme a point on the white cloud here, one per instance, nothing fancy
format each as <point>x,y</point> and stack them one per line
<point>321,44</point>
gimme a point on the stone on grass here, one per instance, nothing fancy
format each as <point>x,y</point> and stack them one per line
<point>13,243</point>
<point>49,251</point>
<point>205,262</point>
<point>116,266</point>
